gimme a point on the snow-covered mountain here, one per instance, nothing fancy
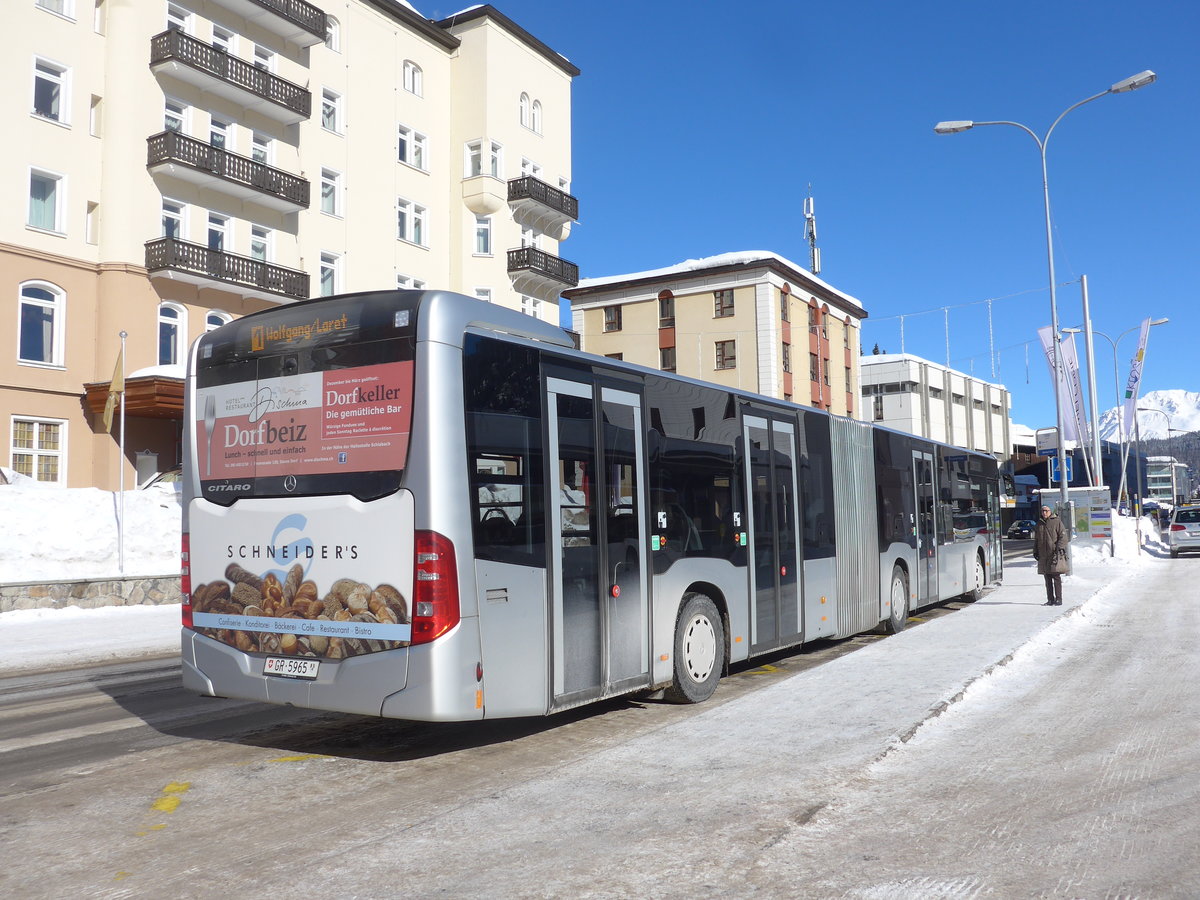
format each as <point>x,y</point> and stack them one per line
<point>1182,409</point>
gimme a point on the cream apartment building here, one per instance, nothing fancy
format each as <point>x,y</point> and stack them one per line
<point>751,320</point>
<point>174,165</point>
<point>912,394</point>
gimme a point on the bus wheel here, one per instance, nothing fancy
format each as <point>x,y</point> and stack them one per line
<point>977,591</point>
<point>699,651</point>
<point>898,617</point>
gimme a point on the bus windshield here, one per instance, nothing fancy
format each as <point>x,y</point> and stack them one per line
<point>317,401</point>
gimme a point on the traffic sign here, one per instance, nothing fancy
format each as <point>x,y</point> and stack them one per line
<point>1054,475</point>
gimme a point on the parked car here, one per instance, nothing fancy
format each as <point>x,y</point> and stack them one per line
<point>1021,529</point>
<point>1183,534</point>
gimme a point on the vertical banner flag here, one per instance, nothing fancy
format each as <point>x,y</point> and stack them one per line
<point>1135,377</point>
<point>117,386</point>
<point>1047,335</point>
<point>1070,361</point>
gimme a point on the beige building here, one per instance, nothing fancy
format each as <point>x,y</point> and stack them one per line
<point>753,320</point>
<point>174,165</point>
<point>911,394</point>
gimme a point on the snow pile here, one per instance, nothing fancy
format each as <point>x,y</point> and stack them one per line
<point>57,534</point>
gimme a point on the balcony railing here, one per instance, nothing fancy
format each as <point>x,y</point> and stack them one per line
<point>174,46</point>
<point>201,265</point>
<point>540,263</point>
<point>280,189</point>
<point>293,20</point>
<point>529,188</point>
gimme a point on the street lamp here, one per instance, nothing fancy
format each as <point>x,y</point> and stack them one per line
<point>1129,84</point>
<point>1167,416</point>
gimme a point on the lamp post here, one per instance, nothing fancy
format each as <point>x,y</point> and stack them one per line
<point>953,127</point>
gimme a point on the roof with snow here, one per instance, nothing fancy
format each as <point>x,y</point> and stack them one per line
<point>721,261</point>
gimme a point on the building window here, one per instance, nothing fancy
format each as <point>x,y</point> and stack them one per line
<point>476,164</point>
<point>726,355</point>
<point>218,231</point>
<point>331,192</point>
<point>536,124</point>
<point>178,18</point>
<point>666,310</point>
<point>414,78</point>
<point>846,335</point>
<point>529,305</point>
<point>619,356</point>
<point>260,243</point>
<point>260,148</point>
<point>612,318</point>
<point>45,200</point>
<point>812,320</point>
<point>38,449</point>
<point>218,133</point>
<point>331,273</point>
<point>524,109</point>
<point>787,357</point>
<point>215,319</point>
<point>95,117</point>
<point>848,379</point>
<point>529,167</point>
<point>785,307</point>
<point>172,333</point>
<point>41,320</point>
<point>878,407</point>
<point>722,304</point>
<point>411,222</point>
<point>484,294</point>
<point>172,219</point>
<point>814,367</point>
<point>825,371</point>
<point>333,34</point>
<point>264,59</point>
<point>666,359</point>
<point>412,148</point>
<point>408,283</point>
<point>50,97</point>
<point>222,39</point>
<point>64,8</point>
<point>175,116</point>
<point>331,111</point>
<point>483,235</point>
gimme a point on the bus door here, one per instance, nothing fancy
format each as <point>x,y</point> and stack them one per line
<point>600,619</point>
<point>775,614</point>
<point>925,585</point>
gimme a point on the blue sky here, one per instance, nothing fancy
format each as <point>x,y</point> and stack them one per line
<point>698,128</point>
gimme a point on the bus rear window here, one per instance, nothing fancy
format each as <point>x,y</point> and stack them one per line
<point>303,421</point>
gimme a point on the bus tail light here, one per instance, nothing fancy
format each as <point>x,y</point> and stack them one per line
<point>185,577</point>
<point>435,587</point>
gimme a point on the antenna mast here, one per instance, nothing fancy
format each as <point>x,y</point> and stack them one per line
<point>810,234</point>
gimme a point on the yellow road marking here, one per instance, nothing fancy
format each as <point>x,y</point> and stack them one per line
<point>300,757</point>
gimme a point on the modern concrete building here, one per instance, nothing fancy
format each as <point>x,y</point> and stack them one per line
<point>1167,480</point>
<point>921,397</point>
<point>750,320</point>
<point>175,164</point>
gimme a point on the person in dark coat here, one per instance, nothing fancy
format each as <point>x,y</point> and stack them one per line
<point>1050,551</point>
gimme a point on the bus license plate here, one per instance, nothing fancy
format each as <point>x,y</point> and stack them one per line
<point>291,667</point>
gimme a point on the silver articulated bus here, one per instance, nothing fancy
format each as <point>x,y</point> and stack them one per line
<point>417,505</point>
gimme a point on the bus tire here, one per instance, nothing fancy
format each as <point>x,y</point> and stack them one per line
<point>898,617</point>
<point>699,651</point>
<point>976,592</point>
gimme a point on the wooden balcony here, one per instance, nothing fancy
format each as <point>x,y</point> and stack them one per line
<point>196,264</point>
<point>192,61</point>
<point>179,156</point>
<point>536,204</point>
<point>293,20</point>
<point>540,274</point>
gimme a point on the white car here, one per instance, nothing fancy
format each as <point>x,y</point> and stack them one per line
<point>1183,534</point>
